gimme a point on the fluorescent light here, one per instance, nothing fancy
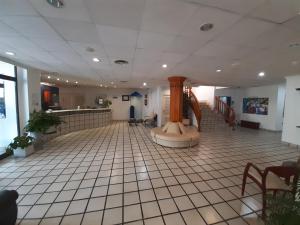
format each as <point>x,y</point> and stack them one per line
<point>49,77</point>
<point>145,84</point>
<point>164,66</point>
<point>10,53</point>
<point>218,71</point>
<point>96,60</point>
<point>261,74</point>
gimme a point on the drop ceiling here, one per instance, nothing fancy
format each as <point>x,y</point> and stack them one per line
<point>249,36</point>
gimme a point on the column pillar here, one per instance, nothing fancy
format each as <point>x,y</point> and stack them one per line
<point>176,98</point>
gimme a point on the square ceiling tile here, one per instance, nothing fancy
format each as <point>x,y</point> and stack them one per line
<point>166,16</point>
<point>151,40</point>
<point>117,36</point>
<point>75,31</point>
<point>16,8</point>
<point>72,10</point>
<point>31,26</point>
<point>120,13</point>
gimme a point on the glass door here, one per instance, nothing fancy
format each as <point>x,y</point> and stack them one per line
<point>8,106</point>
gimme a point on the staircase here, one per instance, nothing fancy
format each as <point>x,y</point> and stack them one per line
<point>207,119</point>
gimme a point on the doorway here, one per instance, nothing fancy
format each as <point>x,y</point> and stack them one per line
<point>9,125</point>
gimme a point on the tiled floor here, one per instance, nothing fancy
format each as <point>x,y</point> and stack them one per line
<point>116,175</point>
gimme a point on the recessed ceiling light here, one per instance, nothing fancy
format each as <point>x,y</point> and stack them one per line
<point>112,82</point>
<point>49,77</point>
<point>67,81</point>
<point>96,60</point>
<point>56,3</point>
<point>206,27</point>
<point>76,82</point>
<point>101,85</point>
<point>145,84</point>
<point>261,74</point>
<point>90,49</point>
<point>164,66</point>
<point>57,78</point>
<point>10,53</point>
<point>218,70</point>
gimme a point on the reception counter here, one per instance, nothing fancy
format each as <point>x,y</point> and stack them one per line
<point>80,119</point>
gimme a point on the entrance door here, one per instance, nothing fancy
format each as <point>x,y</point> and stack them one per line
<point>8,106</point>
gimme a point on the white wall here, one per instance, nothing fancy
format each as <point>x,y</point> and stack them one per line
<point>290,132</point>
<point>120,109</point>
<point>275,93</point>
<point>205,94</point>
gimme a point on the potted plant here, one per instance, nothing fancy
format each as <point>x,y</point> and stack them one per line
<point>107,103</point>
<point>22,146</point>
<point>41,123</point>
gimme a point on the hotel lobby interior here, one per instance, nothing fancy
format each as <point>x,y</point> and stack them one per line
<point>149,112</point>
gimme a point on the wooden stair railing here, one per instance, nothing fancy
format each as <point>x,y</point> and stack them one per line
<point>194,104</point>
<point>227,112</point>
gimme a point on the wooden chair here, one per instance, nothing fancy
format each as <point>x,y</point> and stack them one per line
<point>272,179</point>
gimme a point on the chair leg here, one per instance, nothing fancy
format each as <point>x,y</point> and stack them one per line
<point>264,205</point>
<point>244,182</point>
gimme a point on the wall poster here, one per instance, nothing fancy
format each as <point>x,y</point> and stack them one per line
<point>257,106</point>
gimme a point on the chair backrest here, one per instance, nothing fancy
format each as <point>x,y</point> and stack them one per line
<point>284,172</point>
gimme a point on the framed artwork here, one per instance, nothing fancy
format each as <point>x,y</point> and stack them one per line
<point>125,98</point>
<point>257,106</point>
<point>2,102</point>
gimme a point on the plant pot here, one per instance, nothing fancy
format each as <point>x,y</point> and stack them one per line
<point>38,142</point>
<point>19,152</point>
<point>51,130</point>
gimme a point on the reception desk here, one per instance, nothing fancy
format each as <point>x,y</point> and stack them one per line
<point>80,119</point>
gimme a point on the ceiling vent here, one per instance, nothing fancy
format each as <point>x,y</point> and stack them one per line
<point>121,62</point>
<point>56,3</point>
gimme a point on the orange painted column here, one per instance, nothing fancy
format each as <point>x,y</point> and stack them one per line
<point>176,98</point>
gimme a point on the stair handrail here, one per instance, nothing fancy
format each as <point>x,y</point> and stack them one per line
<point>226,110</point>
<point>194,103</point>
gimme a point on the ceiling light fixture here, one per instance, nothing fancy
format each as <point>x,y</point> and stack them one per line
<point>164,66</point>
<point>76,82</point>
<point>57,78</point>
<point>121,62</point>
<point>218,70</point>
<point>261,74</point>
<point>49,77</point>
<point>67,81</point>
<point>145,84</point>
<point>206,27</point>
<point>294,63</point>
<point>10,53</point>
<point>56,3</point>
<point>96,60</point>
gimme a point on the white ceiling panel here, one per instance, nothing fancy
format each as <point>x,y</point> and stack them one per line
<point>30,26</point>
<point>150,40</point>
<point>117,36</point>
<point>7,31</point>
<point>185,45</point>
<point>73,10</point>
<point>293,23</point>
<point>166,16</point>
<point>16,8</point>
<point>51,44</point>
<point>75,31</point>
<point>119,52</point>
<point>238,6</point>
<point>82,49</point>
<point>277,10</point>
<point>221,21</point>
<point>119,13</point>
<point>245,31</point>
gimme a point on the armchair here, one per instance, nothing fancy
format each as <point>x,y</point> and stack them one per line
<point>272,179</point>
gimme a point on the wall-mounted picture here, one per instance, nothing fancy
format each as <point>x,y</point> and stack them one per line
<point>125,98</point>
<point>257,106</point>
<point>2,102</point>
